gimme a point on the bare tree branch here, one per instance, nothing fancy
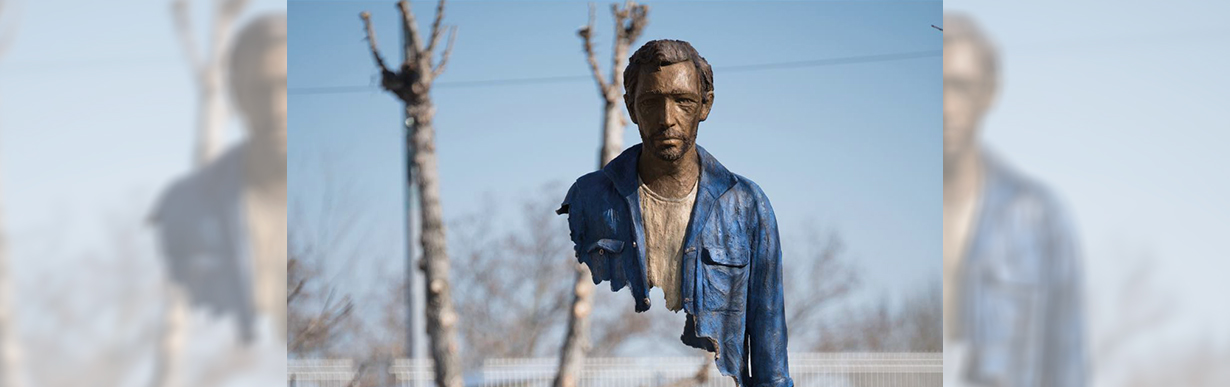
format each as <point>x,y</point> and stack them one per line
<point>183,29</point>
<point>448,52</point>
<point>586,34</point>
<point>371,40</point>
<point>412,30</point>
<point>436,32</point>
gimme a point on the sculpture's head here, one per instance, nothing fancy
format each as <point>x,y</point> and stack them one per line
<point>258,80</point>
<point>669,90</point>
<point>971,80</point>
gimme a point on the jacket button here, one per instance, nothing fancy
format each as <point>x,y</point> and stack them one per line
<point>633,243</point>
<point>600,251</point>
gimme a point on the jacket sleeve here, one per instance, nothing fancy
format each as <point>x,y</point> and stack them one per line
<point>1065,362</point>
<point>766,317</point>
<point>574,222</point>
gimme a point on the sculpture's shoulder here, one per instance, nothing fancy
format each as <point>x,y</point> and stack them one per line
<point>589,190</point>
<point>196,211</point>
<point>745,186</point>
<point>202,192</point>
<point>1013,195</point>
<point>746,193</point>
<point>1027,216</point>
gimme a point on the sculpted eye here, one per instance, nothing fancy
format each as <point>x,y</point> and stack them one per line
<point>645,103</point>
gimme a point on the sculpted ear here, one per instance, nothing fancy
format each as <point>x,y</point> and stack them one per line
<point>704,108</point>
<point>631,111</point>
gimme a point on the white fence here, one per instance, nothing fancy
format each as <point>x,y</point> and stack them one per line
<point>807,369</point>
<point>319,373</point>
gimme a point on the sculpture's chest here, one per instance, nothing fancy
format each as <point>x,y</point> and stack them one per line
<point>716,249</point>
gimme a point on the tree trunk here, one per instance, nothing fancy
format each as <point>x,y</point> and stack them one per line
<point>441,318</point>
<point>208,72</point>
<point>576,342</point>
<point>212,116</point>
<point>412,84</point>
<point>612,132</point>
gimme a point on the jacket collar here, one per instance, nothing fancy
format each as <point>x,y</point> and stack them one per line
<point>715,179</point>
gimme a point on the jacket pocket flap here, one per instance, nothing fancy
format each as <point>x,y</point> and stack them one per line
<point>719,256</point>
<point>609,245</point>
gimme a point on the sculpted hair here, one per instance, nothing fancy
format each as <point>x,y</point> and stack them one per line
<point>248,49</point>
<point>658,53</point>
<point>961,28</point>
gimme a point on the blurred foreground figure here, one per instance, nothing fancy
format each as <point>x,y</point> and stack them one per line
<point>1012,278</point>
<point>222,228</point>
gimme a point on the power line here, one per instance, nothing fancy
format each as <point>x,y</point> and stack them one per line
<point>576,78</point>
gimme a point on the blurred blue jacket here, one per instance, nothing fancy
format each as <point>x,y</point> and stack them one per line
<point>732,275</point>
<point>1021,306</point>
<point>203,239</point>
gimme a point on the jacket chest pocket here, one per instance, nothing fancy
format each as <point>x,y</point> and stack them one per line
<point>604,257</point>
<point>1007,326</point>
<point>725,278</point>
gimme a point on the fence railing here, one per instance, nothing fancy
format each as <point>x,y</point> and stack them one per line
<point>319,372</point>
<point>807,370</point>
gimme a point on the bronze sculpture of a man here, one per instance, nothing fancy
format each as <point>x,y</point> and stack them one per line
<point>666,214</point>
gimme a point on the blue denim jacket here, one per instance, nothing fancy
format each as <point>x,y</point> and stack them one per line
<point>203,239</point>
<point>732,275</point>
<point>1021,306</point>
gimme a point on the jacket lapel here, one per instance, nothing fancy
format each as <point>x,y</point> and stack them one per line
<point>622,173</point>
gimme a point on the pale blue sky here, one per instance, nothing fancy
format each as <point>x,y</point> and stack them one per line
<point>851,147</point>
<point>97,111</point>
<point>1121,107</point>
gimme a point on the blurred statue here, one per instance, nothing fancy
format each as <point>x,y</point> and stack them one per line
<point>222,228</point>
<point>666,214</point>
<point>1012,275</point>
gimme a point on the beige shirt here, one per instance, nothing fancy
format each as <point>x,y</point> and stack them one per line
<point>958,227</point>
<point>666,223</point>
<point>266,221</point>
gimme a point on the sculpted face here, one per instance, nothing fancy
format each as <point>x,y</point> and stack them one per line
<point>969,88</point>
<point>262,94</point>
<point>668,108</point>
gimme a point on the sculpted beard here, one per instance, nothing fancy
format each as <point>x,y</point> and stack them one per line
<point>669,153</point>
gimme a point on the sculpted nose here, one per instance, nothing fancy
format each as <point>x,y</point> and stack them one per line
<point>666,115</point>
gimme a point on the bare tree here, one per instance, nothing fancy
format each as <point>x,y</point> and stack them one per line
<point>102,333</point>
<point>412,84</point>
<point>312,329</point>
<point>629,22</point>
<point>511,293</point>
<point>922,319</point>
<point>208,71</point>
<point>820,278</point>
<point>914,324</point>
